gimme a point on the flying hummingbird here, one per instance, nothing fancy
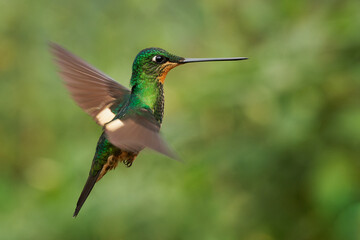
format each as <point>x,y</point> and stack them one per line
<point>131,119</point>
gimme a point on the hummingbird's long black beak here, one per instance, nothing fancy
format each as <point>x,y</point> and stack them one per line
<point>191,60</point>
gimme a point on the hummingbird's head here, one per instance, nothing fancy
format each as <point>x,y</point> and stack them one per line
<point>155,63</point>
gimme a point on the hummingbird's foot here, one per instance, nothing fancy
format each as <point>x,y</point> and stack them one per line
<point>128,163</point>
<point>130,159</point>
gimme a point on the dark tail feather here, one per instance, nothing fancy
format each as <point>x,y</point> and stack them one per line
<point>85,192</point>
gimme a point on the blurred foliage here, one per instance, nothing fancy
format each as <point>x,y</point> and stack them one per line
<point>271,145</point>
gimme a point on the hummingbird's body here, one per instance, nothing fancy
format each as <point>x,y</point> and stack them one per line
<point>131,119</point>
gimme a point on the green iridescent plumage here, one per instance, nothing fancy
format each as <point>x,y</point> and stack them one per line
<point>131,119</point>
<point>146,88</point>
<point>103,150</point>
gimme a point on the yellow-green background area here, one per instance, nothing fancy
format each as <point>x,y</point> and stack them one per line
<point>271,145</point>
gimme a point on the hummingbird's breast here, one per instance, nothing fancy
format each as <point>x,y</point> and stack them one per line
<point>149,94</point>
<point>159,105</point>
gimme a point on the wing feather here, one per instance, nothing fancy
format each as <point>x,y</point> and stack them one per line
<point>136,131</point>
<point>91,89</point>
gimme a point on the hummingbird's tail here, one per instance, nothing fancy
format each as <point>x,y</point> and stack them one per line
<point>85,192</point>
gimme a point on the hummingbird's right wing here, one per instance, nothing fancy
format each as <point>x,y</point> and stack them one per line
<point>135,131</point>
<point>91,89</point>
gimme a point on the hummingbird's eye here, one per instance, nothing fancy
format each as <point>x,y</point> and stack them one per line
<point>159,59</point>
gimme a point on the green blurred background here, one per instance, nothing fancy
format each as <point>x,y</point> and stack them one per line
<point>271,145</point>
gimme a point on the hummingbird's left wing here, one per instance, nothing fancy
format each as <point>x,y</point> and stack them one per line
<point>135,131</point>
<point>91,89</point>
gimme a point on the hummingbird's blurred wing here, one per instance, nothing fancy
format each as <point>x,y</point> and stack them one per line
<point>137,130</point>
<point>91,89</point>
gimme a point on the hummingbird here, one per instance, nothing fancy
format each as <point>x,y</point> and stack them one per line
<point>130,118</point>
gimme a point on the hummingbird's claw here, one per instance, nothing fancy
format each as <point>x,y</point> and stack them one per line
<point>128,163</point>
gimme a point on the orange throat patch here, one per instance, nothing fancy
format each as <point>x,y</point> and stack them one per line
<point>166,68</point>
